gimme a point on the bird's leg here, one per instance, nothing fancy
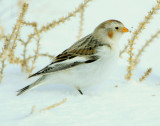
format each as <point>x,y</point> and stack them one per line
<point>80,92</point>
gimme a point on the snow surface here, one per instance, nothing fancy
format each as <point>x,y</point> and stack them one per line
<point>115,102</point>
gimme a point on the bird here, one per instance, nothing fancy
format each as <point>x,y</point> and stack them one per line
<point>87,62</point>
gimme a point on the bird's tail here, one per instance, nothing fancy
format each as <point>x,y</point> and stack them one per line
<point>31,86</point>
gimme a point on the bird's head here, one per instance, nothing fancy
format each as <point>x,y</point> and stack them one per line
<point>110,31</point>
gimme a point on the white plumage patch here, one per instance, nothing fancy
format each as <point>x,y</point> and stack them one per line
<point>70,61</point>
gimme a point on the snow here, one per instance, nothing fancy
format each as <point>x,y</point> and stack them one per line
<point>112,103</point>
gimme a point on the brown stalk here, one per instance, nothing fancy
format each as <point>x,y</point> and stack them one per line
<point>54,105</point>
<point>131,43</point>
<point>64,19</point>
<point>25,63</point>
<point>81,23</point>
<point>142,26</point>
<point>10,46</point>
<point>32,111</point>
<point>36,52</point>
<point>136,60</point>
<point>40,54</point>
<point>146,74</point>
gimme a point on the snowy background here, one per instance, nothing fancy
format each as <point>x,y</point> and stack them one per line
<point>115,102</point>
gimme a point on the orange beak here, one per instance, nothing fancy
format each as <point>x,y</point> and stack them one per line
<point>124,29</point>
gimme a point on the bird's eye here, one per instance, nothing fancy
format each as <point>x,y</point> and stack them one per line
<point>116,28</point>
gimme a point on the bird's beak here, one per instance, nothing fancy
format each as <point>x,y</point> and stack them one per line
<point>124,29</point>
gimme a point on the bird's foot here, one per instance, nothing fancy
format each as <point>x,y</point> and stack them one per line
<point>80,92</point>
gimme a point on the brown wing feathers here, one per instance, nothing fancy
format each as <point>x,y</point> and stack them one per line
<point>63,56</point>
<point>74,53</point>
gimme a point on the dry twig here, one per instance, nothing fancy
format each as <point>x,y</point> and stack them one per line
<point>1,31</point>
<point>142,26</point>
<point>54,105</point>
<point>136,60</point>
<point>32,110</point>
<point>131,43</point>
<point>10,41</point>
<point>81,24</point>
<point>47,108</point>
<point>146,74</point>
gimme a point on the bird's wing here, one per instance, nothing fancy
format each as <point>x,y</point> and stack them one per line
<point>63,65</point>
<point>82,52</point>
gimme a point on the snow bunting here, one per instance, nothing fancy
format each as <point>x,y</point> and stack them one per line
<point>86,62</point>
